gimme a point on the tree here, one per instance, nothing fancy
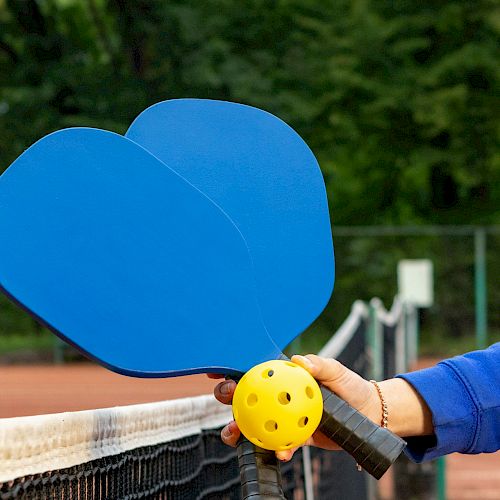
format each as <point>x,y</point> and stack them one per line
<point>398,100</point>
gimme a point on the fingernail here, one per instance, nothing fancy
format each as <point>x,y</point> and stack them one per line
<point>225,388</point>
<point>282,457</point>
<point>306,361</point>
<point>226,432</point>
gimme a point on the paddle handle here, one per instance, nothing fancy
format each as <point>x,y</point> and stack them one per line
<point>374,448</point>
<point>259,472</point>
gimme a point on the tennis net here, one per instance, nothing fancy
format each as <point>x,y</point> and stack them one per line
<point>161,450</point>
<point>172,450</point>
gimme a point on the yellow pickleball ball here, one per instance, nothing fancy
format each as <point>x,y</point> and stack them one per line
<point>277,405</point>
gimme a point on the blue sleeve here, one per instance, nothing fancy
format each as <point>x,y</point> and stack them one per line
<point>463,394</point>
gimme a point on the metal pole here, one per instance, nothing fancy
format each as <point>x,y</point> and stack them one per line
<point>440,464</point>
<point>401,351</point>
<point>308,473</point>
<point>376,370</point>
<point>441,478</point>
<point>417,481</point>
<point>417,332</point>
<point>58,351</point>
<point>411,325</point>
<point>480,287</point>
<point>375,343</point>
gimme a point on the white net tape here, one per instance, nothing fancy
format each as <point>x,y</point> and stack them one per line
<point>31,445</point>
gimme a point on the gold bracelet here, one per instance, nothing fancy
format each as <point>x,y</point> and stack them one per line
<point>385,412</point>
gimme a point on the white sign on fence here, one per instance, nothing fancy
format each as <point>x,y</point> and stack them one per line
<point>416,282</point>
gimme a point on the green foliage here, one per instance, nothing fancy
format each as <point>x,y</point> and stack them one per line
<point>30,342</point>
<point>398,100</point>
<point>434,344</point>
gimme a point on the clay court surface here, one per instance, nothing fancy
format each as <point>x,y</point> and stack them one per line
<point>32,390</point>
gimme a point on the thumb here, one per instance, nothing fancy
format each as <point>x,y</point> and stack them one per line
<point>347,384</point>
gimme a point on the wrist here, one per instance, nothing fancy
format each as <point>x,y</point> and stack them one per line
<point>373,407</point>
<point>409,415</point>
<point>383,405</point>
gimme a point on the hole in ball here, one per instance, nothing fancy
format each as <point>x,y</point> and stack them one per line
<point>293,365</point>
<point>303,421</point>
<point>309,392</point>
<point>271,426</point>
<point>268,373</point>
<point>252,399</point>
<point>284,398</point>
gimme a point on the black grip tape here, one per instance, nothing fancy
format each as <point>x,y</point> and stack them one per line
<point>259,472</point>
<point>373,447</point>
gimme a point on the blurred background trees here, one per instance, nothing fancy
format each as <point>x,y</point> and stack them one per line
<point>398,100</point>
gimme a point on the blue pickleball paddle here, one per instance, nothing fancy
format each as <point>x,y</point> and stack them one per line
<point>265,177</point>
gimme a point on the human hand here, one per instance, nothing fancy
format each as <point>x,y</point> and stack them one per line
<point>355,390</point>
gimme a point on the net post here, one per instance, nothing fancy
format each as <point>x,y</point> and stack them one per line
<point>375,368</point>
<point>480,287</point>
<point>375,341</point>
<point>401,351</point>
<point>308,474</point>
<point>441,478</point>
<point>58,349</point>
<point>411,326</point>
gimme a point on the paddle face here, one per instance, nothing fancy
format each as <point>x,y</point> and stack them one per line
<point>263,175</point>
<point>126,260</point>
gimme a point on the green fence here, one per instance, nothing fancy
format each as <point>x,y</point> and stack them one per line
<point>466,263</point>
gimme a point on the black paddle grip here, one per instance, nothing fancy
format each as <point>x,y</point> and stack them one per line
<point>374,448</point>
<point>259,472</point>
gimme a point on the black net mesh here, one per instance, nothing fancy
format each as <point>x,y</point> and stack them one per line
<point>194,467</point>
<point>389,350</point>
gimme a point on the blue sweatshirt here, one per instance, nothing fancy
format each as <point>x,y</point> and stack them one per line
<point>463,394</point>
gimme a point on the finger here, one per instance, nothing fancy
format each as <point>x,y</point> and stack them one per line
<point>286,455</point>
<point>215,375</point>
<point>224,391</point>
<point>347,384</point>
<point>319,440</point>
<point>231,434</point>
<point>325,370</point>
